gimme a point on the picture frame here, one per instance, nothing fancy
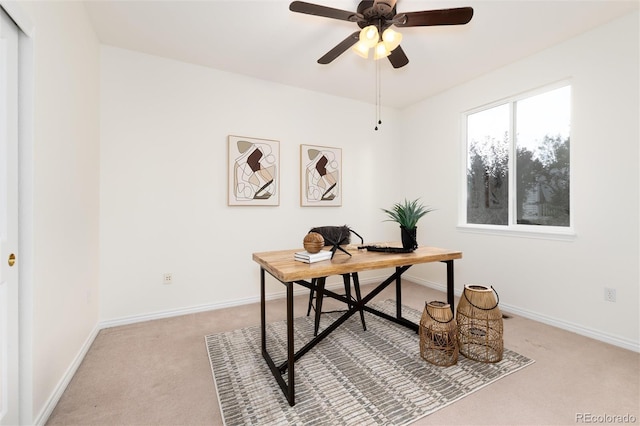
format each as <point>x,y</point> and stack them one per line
<point>320,176</point>
<point>253,171</point>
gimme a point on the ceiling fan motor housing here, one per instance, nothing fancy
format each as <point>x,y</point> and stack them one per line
<point>377,16</point>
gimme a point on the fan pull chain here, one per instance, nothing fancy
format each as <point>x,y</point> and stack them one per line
<point>375,64</point>
<point>378,107</point>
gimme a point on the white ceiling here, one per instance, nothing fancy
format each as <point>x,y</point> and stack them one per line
<point>263,39</point>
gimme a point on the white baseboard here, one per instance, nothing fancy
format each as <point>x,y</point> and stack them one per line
<point>574,328</point>
<point>207,307</point>
<point>133,319</point>
<point>44,414</point>
<point>62,384</point>
<point>554,322</point>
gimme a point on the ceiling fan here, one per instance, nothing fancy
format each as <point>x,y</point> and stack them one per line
<point>381,14</point>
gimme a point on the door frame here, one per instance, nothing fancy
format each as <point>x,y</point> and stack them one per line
<point>26,163</point>
<point>9,244</point>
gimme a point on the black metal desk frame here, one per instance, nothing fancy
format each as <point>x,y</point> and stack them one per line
<point>288,386</point>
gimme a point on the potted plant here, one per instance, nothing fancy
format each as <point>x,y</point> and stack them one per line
<point>407,214</point>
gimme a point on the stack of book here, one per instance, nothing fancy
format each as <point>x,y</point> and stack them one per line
<point>305,256</point>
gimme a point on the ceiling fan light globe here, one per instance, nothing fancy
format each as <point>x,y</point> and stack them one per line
<point>391,39</point>
<point>380,51</point>
<point>361,49</point>
<point>369,35</point>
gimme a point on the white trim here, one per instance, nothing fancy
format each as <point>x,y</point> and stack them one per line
<point>554,322</point>
<point>25,189</point>
<point>574,328</point>
<point>567,81</point>
<point>64,382</point>
<point>523,231</point>
<point>26,226</point>
<point>116,322</point>
<point>133,319</point>
<point>53,400</point>
<point>19,16</point>
<point>512,228</point>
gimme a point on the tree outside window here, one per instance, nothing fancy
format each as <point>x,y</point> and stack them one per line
<point>521,180</point>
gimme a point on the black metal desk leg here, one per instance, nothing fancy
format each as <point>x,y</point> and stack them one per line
<point>263,321</point>
<point>290,351</point>
<point>450,300</point>
<point>346,279</point>
<point>356,286</point>
<point>398,294</point>
<point>320,283</point>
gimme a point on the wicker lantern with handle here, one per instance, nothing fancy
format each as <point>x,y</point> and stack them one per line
<point>480,329</point>
<point>438,334</point>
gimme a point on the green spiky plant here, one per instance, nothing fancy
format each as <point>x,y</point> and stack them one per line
<point>407,213</point>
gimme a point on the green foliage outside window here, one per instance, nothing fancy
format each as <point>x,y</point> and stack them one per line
<point>540,170</point>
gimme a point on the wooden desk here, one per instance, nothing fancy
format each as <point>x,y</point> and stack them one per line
<point>282,266</point>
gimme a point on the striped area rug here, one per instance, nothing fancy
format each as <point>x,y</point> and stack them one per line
<point>353,377</point>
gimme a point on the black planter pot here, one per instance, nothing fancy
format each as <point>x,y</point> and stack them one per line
<point>408,236</point>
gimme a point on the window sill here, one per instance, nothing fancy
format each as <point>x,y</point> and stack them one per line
<point>521,231</point>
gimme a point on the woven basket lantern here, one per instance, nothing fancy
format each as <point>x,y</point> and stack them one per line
<point>438,334</point>
<point>313,242</point>
<point>480,331</point>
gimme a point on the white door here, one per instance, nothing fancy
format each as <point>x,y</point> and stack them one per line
<point>9,391</point>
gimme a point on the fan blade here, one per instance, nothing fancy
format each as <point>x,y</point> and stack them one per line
<point>340,48</point>
<point>456,16</point>
<point>324,11</point>
<point>398,58</point>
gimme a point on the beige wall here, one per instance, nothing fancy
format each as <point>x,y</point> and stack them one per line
<point>59,192</point>
<point>560,282</point>
<point>164,129</point>
<point>163,186</point>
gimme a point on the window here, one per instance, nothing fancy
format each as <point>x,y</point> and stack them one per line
<point>522,181</point>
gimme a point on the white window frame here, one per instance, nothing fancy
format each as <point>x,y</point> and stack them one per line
<point>512,228</point>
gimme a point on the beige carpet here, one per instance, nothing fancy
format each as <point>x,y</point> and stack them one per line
<point>352,378</point>
<point>157,373</point>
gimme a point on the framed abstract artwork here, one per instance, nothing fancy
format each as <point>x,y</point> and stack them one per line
<point>320,176</point>
<point>254,167</point>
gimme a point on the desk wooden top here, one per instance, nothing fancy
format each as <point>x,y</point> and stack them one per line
<point>282,265</point>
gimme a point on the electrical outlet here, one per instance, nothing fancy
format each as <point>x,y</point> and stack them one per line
<point>167,278</point>
<point>610,294</point>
